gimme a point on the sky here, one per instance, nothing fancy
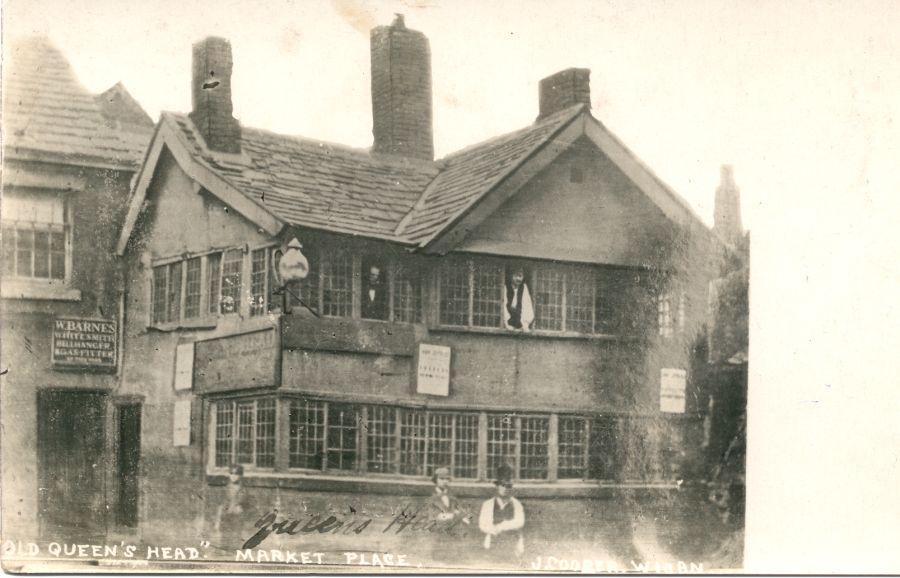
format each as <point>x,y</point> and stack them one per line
<point>773,88</point>
<point>801,97</point>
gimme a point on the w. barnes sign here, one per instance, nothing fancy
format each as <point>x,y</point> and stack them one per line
<point>84,343</point>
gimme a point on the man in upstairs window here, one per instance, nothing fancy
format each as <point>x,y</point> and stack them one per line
<point>518,310</point>
<point>374,293</point>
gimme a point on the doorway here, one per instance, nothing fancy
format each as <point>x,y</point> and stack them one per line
<point>128,464</point>
<point>72,463</point>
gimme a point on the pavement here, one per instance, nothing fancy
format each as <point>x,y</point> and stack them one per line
<point>677,532</point>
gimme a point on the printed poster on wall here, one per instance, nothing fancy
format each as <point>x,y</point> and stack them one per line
<point>433,370</point>
<point>671,390</point>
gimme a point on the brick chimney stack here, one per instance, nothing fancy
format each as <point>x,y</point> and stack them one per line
<point>727,220</point>
<point>564,89</point>
<point>401,91</point>
<point>211,95</point>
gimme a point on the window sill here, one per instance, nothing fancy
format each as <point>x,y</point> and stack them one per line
<point>201,323</point>
<point>535,334</point>
<point>38,289</point>
<point>412,486</point>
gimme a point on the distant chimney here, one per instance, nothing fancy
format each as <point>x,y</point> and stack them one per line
<point>211,95</point>
<point>727,222</point>
<point>401,91</point>
<point>564,89</point>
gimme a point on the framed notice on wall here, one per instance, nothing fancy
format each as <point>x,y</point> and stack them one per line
<point>433,370</point>
<point>671,390</point>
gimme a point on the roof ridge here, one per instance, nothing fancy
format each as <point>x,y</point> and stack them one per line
<point>555,117</point>
<point>56,115</point>
<point>341,148</point>
<point>562,119</point>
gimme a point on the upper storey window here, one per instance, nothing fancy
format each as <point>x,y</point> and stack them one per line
<point>373,287</point>
<point>36,237</point>
<point>542,297</point>
<point>670,306</point>
<point>195,287</point>
<point>241,281</point>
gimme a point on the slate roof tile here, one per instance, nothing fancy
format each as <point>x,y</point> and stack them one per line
<point>315,184</point>
<point>326,186</point>
<point>470,173</point>
<point>47,112</point>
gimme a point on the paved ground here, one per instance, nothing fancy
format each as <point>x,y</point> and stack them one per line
<point>671,533</point>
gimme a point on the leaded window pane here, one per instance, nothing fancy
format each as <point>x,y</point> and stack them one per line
<point>571,447</point>
<point>307,434</point>
<point>534,449</point>
<point>192,289</point>
<point>337,285</point>
<point>487,301</point>
<point>503,439</point>
<point>381,431</point>
<point>454,301</point>
<point>342,429</point>
<point>548,299</point>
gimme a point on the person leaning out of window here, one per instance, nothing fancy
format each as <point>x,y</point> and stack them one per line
<point>518,309</point>
<point>374,293</point>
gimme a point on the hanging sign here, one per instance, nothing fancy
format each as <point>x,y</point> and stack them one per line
<point>671,390</point>
<point>433,370</point>
<point>84,343</point>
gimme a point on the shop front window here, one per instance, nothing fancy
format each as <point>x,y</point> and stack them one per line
<point>328,436</point>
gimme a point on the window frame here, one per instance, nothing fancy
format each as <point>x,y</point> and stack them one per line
<point>205,315</point>
<point>569,276</point>
<point>235,403</point>
<point>605,461</point>
<point>66,228</point>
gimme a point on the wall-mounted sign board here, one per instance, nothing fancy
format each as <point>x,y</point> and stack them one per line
<point>242,361</point>
<point>84,343</point>
<point>433,370</point>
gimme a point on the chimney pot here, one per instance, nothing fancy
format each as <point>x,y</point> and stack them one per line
<point>563,90</point>
<point>211,95</point>
<point>401,91</point>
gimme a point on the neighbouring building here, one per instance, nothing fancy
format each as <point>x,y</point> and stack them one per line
<point>68,158</point>
<point>728,356</point>
<point>535,300</point>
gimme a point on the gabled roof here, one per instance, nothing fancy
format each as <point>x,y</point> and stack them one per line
<point>48,115</point>
<point>280,180</point>
<point>316,184</point>
<point>122,111</point>
<point>471,173</point>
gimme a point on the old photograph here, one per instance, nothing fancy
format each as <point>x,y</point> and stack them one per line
<point>374,287</point>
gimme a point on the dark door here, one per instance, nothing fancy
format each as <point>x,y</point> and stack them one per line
<point>72,463</point>
<point>128,461</point>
